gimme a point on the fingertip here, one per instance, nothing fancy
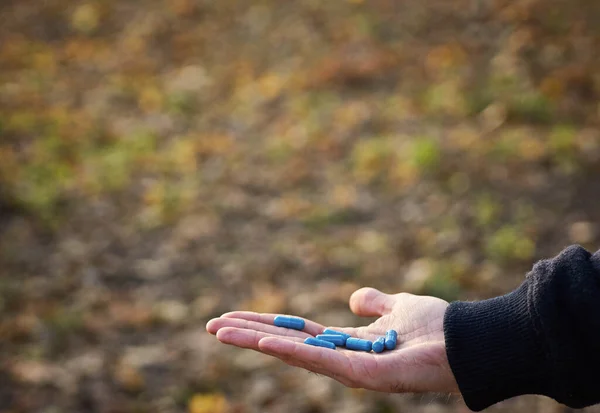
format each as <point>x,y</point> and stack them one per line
<point>266,342</point>
<point>362,292</point>
<point>274,345</point>
<point>212,326</point>
<point>361,301</point>
<point>370,302</point>
<point>223,334</point>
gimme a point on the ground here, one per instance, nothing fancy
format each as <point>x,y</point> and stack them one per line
<point>162,162</point>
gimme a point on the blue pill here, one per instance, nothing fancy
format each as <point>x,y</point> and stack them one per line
<point>289,322</point>
<point>339,333</point>
<point>379,345</point>
<point>390,339</point>
<point>358,344</point>
<point>311,341</point>
<point>336,339</point>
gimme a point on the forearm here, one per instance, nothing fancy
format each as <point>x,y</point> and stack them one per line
<point>542,338</point>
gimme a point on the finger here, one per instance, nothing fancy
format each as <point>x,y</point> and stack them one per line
<point>250,338</point>
<point>266,318</point>
<point>320,360</point>
<point>315,369</point>
<point>244,338</point>
<point>216,324</point>
<point>369,302</point>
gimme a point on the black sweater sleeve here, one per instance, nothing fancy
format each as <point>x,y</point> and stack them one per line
<point>543,338</point>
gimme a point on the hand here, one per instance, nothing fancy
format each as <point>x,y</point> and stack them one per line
<point>418,364</point>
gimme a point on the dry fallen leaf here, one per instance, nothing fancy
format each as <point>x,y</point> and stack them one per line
<point>85,18</point>
<point>34,372</point>
<point>129,378</point>
<point>208,403</point>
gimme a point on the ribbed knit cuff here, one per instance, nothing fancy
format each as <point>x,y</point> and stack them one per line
<point>493,349</point>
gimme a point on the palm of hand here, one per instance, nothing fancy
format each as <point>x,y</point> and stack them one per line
<point>418,364</point>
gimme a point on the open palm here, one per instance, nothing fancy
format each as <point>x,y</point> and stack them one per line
<point>418,364</point>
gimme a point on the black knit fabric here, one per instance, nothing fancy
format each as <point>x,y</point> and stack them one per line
<point>542,338</point>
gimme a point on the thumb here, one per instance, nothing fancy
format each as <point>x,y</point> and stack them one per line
<point>369,302</point>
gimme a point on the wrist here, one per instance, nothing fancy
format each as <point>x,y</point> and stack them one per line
<point>450,379</point>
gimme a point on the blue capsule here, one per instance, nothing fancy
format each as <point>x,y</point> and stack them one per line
<point>390,339</point>
<point>311,341</point>
<point>339,333</point>
<point>289,322</point>
<point>358,344</point>
<point>336,339</point>
<point>379,345</point>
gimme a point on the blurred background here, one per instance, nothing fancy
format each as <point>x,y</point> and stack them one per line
<point>165,161</point>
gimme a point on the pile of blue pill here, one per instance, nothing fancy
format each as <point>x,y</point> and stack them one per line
<point>331,338</point>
